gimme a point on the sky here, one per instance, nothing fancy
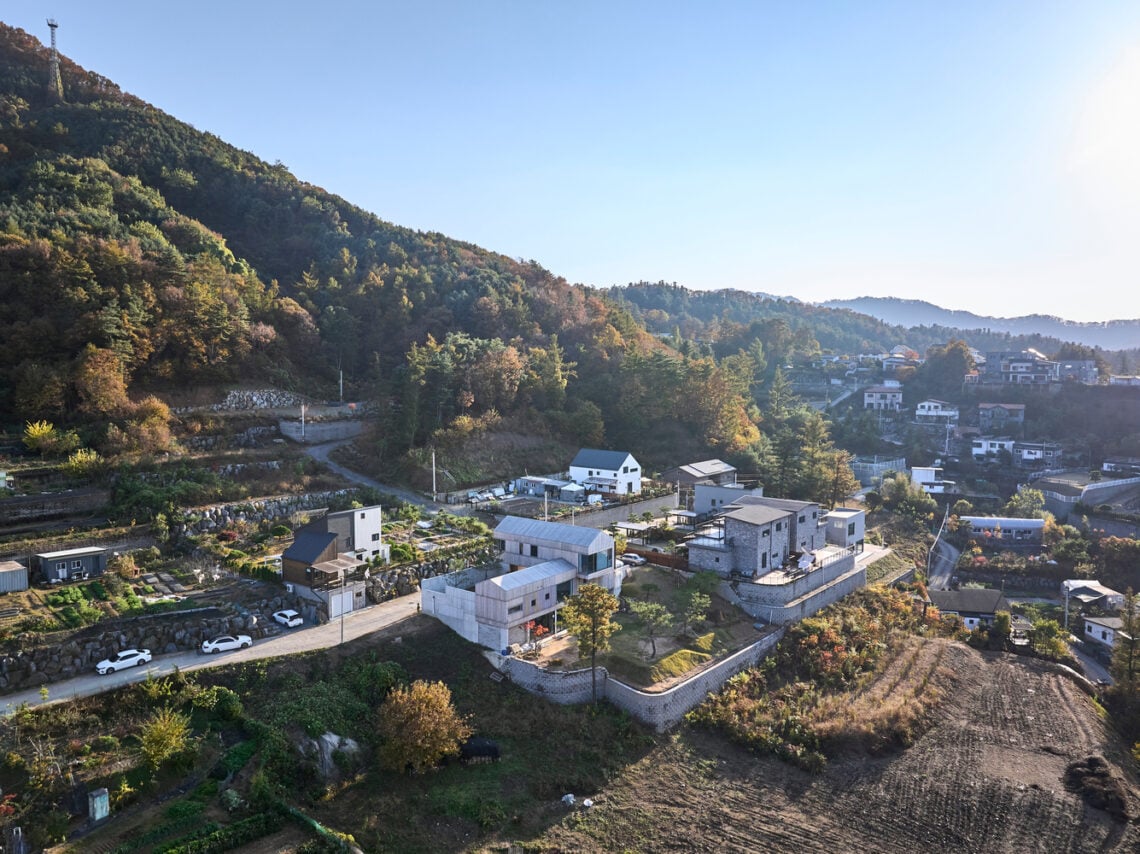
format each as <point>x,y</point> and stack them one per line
<point>978,155</point>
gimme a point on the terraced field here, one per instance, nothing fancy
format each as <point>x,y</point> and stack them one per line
<point>987,775</point>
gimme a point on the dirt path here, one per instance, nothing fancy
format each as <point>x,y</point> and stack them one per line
<point>986,777</point>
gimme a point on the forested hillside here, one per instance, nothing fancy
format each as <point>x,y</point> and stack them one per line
<point>790,329</point>
<point>139,255</point>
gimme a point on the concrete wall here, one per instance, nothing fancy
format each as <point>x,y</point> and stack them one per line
<point>318,432</point>
<point>451,600</point>
<point>659,710</point>
<point>606,516</point>
<point>782,604</point>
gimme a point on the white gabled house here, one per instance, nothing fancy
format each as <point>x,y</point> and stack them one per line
<point>541,563</point>
<point>610,472</point>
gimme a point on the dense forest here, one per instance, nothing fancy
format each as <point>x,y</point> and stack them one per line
<point>139,255</point>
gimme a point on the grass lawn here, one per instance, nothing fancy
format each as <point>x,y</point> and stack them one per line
<point>631,658</point>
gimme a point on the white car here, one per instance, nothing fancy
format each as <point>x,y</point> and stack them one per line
<point>288,618</point>
<point>224,643</point>
<point>126,658</point>
<point>632,559</point>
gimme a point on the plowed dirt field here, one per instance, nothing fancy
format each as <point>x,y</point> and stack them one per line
<point>986,776</point>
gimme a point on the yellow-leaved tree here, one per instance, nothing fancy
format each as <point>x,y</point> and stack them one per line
<point>418,726</point>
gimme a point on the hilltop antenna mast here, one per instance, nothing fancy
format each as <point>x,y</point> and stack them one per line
<point>55,80</point>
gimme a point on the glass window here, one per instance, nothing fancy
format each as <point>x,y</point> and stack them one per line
<point>534,551</point>
<point>515,609</point>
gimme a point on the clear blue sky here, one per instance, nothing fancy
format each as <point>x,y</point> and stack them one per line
<point>979,155</point>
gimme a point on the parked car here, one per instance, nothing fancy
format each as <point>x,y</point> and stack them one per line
<point>224,643</point>
<point>288,618</point>
<point>632,559</point>
<point>126,658</point>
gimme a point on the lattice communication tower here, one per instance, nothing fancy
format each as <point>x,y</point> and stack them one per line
<point>55,79</point>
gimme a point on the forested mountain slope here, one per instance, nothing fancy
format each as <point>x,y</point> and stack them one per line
<point>141,254</point>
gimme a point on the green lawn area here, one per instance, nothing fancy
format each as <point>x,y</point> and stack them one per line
<point>631,657</point>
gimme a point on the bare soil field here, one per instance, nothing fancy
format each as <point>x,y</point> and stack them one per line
<point>987,775</point>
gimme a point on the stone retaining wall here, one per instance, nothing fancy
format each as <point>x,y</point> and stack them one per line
<point>179,631</point>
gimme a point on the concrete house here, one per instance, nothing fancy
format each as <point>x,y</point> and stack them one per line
<point>610,472</point>
<point>883,398</point>
<point>541,563</point>
<point>986,450</point>
<point>845,526</point>
<point>357,532</point>
<point>930,479</point>
<point>709,499</point>
<point>757,534</point>
<point>976,607</point>
<point>71,564</point>
<point>1037,454</point>
<point>1103,630</point>
<point>808,531</point>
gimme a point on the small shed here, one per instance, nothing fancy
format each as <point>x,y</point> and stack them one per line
<point>72,563</point>
<point>13,576</point>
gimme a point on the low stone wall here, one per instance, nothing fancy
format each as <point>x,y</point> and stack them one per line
<point>179,631</point>
<point>659,710</point>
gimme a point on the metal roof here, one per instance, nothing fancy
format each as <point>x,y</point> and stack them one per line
<point>308,546</point>
<point>971,600</point>
<point>537,573</point>
<point>592,458</point>
<point>553,533</point>
<point>788,505</point>
<point>708,468</point>
<point>89,550</point>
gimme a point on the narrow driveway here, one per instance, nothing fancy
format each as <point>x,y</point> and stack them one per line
<point>289,642</point>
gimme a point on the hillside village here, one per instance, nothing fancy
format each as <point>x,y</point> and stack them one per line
<point>318,534</point>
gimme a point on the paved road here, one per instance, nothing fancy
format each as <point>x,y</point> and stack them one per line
<point>289,642</point>
<point>943,559</point>
<point>321,452</point>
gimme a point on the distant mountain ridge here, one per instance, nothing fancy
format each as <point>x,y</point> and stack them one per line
<point>1108,335</point>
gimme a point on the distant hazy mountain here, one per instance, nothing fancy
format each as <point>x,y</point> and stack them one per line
<point>1109,335</point>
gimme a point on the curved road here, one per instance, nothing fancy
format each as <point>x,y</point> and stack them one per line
<point>943,559</point>
<point>288,642</point>
<point>321,452</point>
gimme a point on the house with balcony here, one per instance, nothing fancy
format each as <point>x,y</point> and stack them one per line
<point>1021,367</point>
<point>932,480</point>
<point>883,398</point>
<point>1001,417</point>
<point>607,472</point>
<point>314,569</point>
<point>986,449</point>
<point>1037,455</point>
<point>540,564</point>
<point>937,412</point>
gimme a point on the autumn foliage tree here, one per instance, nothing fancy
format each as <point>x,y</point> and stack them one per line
<point>588,615</point>
<point>418,726</point>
